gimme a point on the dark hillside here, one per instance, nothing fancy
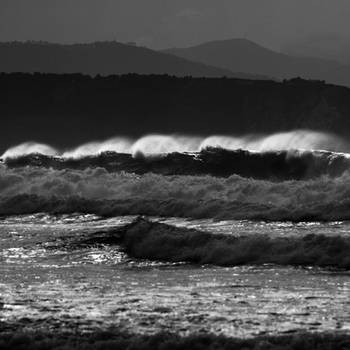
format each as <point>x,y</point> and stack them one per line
<point>66,110</point>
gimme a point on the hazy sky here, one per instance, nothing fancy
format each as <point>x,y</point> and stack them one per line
<point>167,23</point>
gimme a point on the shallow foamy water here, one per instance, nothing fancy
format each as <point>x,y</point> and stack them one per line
<point>48,282</point>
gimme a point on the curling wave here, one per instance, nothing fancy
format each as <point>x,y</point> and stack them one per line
<point>156,241</point>
<point>157,144</point>
<point>27,190</point>
<point>274,165</point>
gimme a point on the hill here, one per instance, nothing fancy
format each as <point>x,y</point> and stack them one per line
<point>103,58</point>
<point>245,56</point>
<point>329,47</point>
<point>67,110</point>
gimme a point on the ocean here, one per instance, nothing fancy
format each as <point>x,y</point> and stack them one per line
<point>65,272</point>
<point>216,241</point>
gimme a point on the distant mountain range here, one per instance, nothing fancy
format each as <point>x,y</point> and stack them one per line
<point>104,58</point>
<point>239,58</point>
<point>245,56</point>
<point>330,47</point>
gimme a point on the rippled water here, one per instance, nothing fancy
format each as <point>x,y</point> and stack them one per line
<point>46,281</point>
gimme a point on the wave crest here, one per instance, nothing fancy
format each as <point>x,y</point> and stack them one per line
<point>157,241</point>
<point>278,165</point>
<point>155,144</point>
<point>27,148</point>
<point>117,144</point>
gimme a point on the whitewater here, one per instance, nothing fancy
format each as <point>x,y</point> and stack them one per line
<point>157,143</point>
<point>240,236</point>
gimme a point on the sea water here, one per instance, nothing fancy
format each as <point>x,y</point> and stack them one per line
<point>49,281</point>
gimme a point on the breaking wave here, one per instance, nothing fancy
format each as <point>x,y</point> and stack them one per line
<point>156,144</point>
<point>144,239</point>
<point>27,190</point>
<point>104,179</point>
<point>278,165</point>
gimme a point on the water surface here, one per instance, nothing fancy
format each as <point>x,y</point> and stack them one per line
<point>48,282</point>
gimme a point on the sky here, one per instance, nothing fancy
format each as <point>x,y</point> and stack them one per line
<point>174,23</point>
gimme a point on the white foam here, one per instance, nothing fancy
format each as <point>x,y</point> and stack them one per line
<point>117,144</point>
<point>29,148</point>
<point>156,144</point>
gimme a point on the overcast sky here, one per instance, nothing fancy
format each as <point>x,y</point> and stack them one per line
<point>169,23</point>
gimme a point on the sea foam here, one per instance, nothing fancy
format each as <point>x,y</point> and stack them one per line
<point>155,144</point>
<point>27,190</point>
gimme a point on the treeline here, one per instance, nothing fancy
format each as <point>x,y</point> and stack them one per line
<point>66,110</point>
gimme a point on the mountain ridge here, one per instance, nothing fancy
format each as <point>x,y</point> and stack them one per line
<point>103,58</point>
<point>246,56</point>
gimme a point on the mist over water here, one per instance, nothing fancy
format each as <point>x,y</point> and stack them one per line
<point>156,144</point>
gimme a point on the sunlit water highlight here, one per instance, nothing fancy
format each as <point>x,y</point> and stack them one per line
<point>47,282</point>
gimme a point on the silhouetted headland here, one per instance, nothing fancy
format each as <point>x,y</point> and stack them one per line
<point>67,110</point>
